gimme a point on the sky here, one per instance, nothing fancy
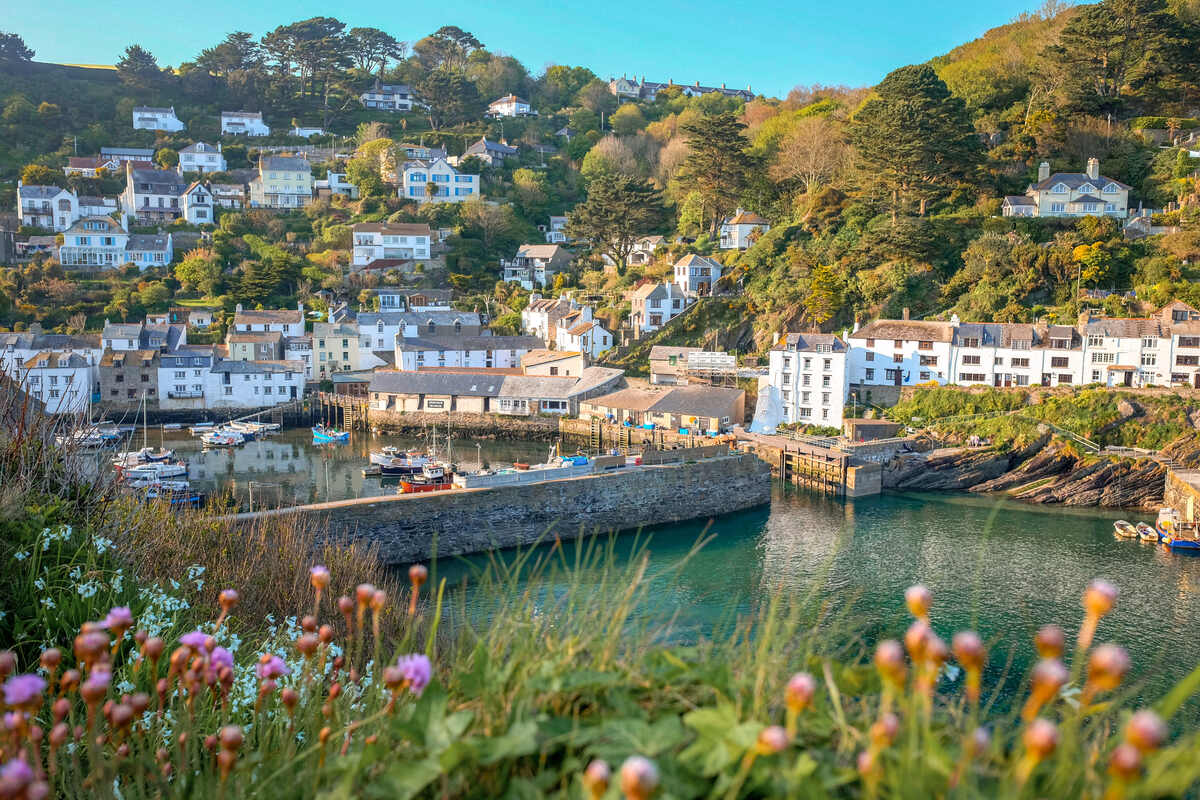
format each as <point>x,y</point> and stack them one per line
<point>769,45</point>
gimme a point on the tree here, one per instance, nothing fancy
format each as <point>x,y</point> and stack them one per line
<point>914,140</point>
<point>446,48</point>
<point>364,173</point>
<point>40,175</point>
<point>13,50</point>
<point>166,158</point>
<point>371,49</point>
<point>237,53</point>
<point>617,212</point>
<point>809,154</point>
<point>609,156</point>
<point>492,222</point>
<point>452,98</point>
<point>823,297</point>
<point>627,120</point>
<point>717,164</point>
<point>138,67</point>
<point>200,268</point>
<point>596,96</point>
<point>560,83</point>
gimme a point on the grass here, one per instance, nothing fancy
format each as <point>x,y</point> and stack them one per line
<point>537,677</point>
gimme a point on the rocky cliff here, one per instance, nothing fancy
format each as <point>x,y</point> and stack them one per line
<point>1045,471</point>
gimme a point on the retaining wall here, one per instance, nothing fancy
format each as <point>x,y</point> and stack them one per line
<point>404,527</point>
<point>479,426</point>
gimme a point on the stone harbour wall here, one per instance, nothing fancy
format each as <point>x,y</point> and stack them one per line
<point>407,528</point>
<point>479,426</point>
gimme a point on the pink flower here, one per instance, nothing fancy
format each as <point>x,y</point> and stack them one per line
<point>119,618</point>
<point>417,671</point>
<point>220,658</point>
<point>272,668</point>
<point>16,773</point>
<point>194,640</point>
<point>21,690</point>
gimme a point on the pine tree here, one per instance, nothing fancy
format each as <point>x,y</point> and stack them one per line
<point>618,211</point>
<point>717,164</point>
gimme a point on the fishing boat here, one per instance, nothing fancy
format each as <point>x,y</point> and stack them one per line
<point>155,471</point>
<point>432,478</point>
<point>222,438</point>
<point>1146,533</point>
<point>1124,529</point>
<point>1175,533</point>
<point>555,467</point>
<point>392,462</point>
<point>324,435</point>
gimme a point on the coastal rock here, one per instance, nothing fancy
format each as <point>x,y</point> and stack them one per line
<point>1052,460</point>
<point>1111,483</point>
<point>1128,409</point>
<point>944,469</point>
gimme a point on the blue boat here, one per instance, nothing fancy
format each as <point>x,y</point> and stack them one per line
<point>323,435</point>
<point>1171,529</point>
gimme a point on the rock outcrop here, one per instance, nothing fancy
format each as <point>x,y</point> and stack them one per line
<point>1105,482</point>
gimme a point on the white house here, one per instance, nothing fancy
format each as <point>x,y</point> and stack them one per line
<point>374,241</point>
<point>393,299</point>
<point>535,265</point>
<point>146,118</point>
<point>282,182</point>
<point>654,305</point>
<point>46,207</point>
<point>90,166</point>
<point>247,123</point>
<point>92,206</point>
<point>304,132</point>
<point>589,338</point>
<point>696,274</point>
<point>201,157</point>
<point>18,348</point>
<point>61,379</point>
<point>379,330</point>
<point>229,195</point>
<point>388,97</point>
<point>182,373</point>
<point>1126,352</point>
<point>335,183</point>
<point>492,153</point>
<point>900,353</point>
<point>149,250</point>
<point>645,248</point>
<point>463,351</point>
<point>299,348</point>
<point>199,206</point>
<point>94,242</point>
<point>253,384</point>
<point>152,195</point>
<point>742,230</point>
<point>122,154</point>
<point>509,106</point>
<point>556,231</point>
<point>808,378</point>
<point>437,182</point>
<point>542,315</point>
<point>289,322</point>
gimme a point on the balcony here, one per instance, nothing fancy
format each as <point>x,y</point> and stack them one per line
<point>185,395</point>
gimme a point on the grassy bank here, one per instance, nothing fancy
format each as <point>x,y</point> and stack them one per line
<point>202,662</point>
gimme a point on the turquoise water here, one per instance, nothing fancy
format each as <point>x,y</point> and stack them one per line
<point>998,566</point>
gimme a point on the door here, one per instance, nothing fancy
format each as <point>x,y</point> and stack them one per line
<point>1128,378</point>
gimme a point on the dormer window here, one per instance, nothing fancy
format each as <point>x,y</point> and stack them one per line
<point>1087,188</point>
<point>1060,188</point>
<point>1112,188</point>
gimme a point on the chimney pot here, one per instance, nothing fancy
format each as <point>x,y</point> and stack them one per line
<point>1093,168</point>
<point>1043,171</point>
<point>904,314</point>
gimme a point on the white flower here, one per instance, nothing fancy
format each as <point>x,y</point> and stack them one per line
<point>47,602</point>
<point>20,555</point>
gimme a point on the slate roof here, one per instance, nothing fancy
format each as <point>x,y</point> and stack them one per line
<point>442,383</point>
<point>199,147</point>
<point>662,352</point>
<point>160,181</point>
<point>694,260</point>
<point>908,330</point>
<point>147,242</point>
<point>36,192</point>
<point>61,359</point>
<point>285,164</point>
<point>465,343</point>
<point>546,251</point>
<point>747,218</point>
<point>253,367</point>
<point>1074,180</point>
<point>393,228</point>
<point>544,356</point>
<point>1123,328</point>
<point>122,330</point>
<point>152,110</point>
<point>1018,200</point>
<point>808,342</point>
<point>286,316</point>
<point>486,146</point>
<point>439,317</point>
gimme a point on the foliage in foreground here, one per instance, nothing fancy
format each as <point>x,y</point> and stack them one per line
<point>558,677</point>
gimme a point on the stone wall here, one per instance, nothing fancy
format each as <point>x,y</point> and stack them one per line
<point>405,528</point>
<point>479,426</point>
<point>1182,493</point>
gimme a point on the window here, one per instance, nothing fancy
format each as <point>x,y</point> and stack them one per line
<point>1021,380</point>
<point>1064,378</point>
<point>924,375</point>
<point>1021,344</point>
<point>974,376</point>
<point>1150,359</point>
<point>1060,188</point>
<point>869,375</point>
<point>1095,376</point>
<point>924,345</point>
<point>825,380</point>
<point>806,380</point>
<point>1104,358</point>
<point>870,342</point>
<point>806,412</point>
<point>1149,342</point>
<point>891,375</point>
<point>829,363</point>
<point>1059,362</point>
<point>805,397</point>
<point>825,398</point>
<point>971,360</point>
<point>898,358</point>
<point>1189,341</point>
<point>1020,362</point>
<point>971,341</point>
<point>899,343</point>
<point>870,355</point>
<point>1095,340</point>
<point>1187,361</point>
<point>180,373</point>
<point>928,361</point>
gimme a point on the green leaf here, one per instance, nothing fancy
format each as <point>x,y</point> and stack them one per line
<point>519,740</point>
<point>407,778</point>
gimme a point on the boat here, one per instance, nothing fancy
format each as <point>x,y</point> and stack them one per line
<point>1146,533</point>
<point>147,455</point>
<point>434,477</point>
<point>323,435</point>
<point>201,428</point>
<point>1175,533</point>
<point>555,467</point>
<point>220,438</point>
<point>1124,529</point>
<point>169,484</point>
<point>155,471</point>
<point>390,461</point>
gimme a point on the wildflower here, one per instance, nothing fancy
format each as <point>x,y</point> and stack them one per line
<point>916,638</point>
<point>14,777</point>
<point>195,640</point>
<point>119,619</point>
<point>50,659</point>
<point>1106,668</point>
<point>221,657</point>
<point>417,575</point>
<point>319,576</point>
<point>24,691</point>
<point>1125,763</point>
<point>799,692</point>
<point>772,739</point>
<point>20,555</point>
<point>884,731</point>
<point>1098,600</point>
<point>290,698</point>
<point>639,778</point>
<point>1049,675</point>
<point>889,661</point>
<point>1040,740</point>
<point>8,663</point>
<point>228,599</point>
<point>595,779</point>
<point>271,667</point>
<point>231,740</point>
<point>970,652</point>
<point>1146,731</point>
<point>918,599</point>
<point>307,645</point>
<point>1049,641</point>
<point>363,593</point>
<point>416,670</point>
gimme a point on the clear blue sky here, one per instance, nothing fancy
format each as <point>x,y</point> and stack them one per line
<point>769,44</point>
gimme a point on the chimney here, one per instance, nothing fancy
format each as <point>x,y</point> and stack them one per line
<point>237,309</point>
<point>218,147</point>
<point>954,319</point>
<point>722,84</point>
<point>904,314</point>
<point>1093,168</point>
<point>1043,171</point>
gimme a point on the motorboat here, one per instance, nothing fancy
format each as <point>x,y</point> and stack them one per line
<point>1124,529</point>
<point>222,438</point>
<point>147,455</point>
<point>391,461</point>
<point>1146,533</point>
<point>324,435</point>
<point>1175,533</point>
<point>554,468</point>
<point>434,477</point>
<point>155,471</point>
<point>170,484</point>
<point>201,428</point>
